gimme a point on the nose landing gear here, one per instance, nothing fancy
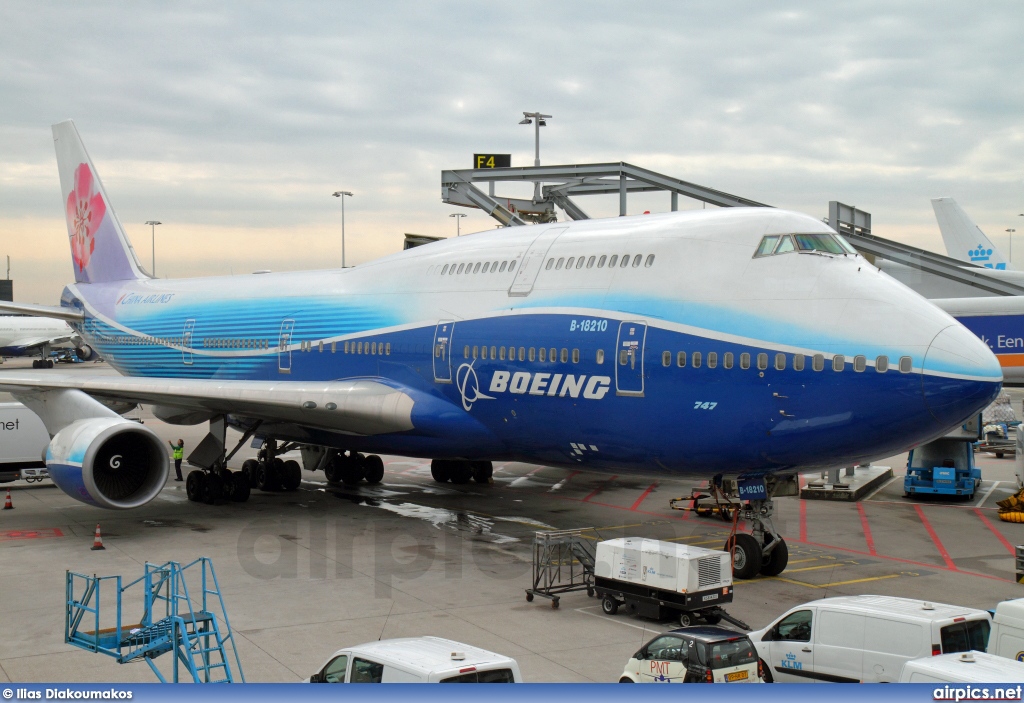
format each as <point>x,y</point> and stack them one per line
<point>763,551</point>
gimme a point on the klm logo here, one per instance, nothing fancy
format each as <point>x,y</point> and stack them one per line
<point>982,255</point>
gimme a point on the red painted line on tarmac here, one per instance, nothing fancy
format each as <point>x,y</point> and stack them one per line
<point>643,496</point>
<point>43,533</point>
<point>926,565</point>
<point>997,533</point>
<point>867,529</point>
<point>935,538</point>
<point>599,489</point>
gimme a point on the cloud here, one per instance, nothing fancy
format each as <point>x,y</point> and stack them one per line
<point>244,117</point>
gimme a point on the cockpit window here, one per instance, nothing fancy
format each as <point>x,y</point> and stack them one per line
<point>819,242</point>
<point>785,246</point>
<point>767,245</point>
<point>846,245</point>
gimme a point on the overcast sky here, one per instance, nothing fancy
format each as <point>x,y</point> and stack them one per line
<point>232,123</point>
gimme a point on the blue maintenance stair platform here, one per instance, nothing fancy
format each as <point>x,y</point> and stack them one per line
<point>190,623</point>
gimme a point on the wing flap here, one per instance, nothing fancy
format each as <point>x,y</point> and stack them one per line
<point>361,406</point>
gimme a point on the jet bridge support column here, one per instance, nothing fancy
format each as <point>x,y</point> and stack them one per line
<point>675,201</point>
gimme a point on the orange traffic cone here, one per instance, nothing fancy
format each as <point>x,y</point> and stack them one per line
<point>8,505</point>
<point>97,542</point>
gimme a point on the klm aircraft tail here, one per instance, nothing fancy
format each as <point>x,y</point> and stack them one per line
<point>964,240</point>
<point>100,251</point>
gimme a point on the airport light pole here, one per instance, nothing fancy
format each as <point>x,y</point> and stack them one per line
<point>341,194</point>
<point>458,218</point>
<point>152,231</point>
<point>537,120</point>
<point>1011,231</point>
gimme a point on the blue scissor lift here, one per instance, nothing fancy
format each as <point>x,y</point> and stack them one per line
<point>196,632</point>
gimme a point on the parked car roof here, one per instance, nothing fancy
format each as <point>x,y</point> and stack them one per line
<point>708,633</point>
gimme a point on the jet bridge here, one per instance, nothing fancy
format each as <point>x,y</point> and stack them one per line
<point>562,183</point>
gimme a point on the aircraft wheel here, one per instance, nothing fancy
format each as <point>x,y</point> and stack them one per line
<point>374,468</point>
<point>49,363</point>
<point>213,489</point>
<point>194,485</point>
<point>291,475</point>
<point>482,471</point>
<point>352,470</point>
<point>461,472</point>
<point>240,487</point>
<point>746,558</point>
<point>776,561</point>
<point>332,470</point>
<point>440,470</point>
<point>251,468</point>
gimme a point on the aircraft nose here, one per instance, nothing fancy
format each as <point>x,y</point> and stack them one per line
<point>960,375</point>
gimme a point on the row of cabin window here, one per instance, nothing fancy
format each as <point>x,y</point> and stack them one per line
<point>860,363</point>
<point>499,354</point>
<point>372,348</point>
<point>220,343</point>
<point>622,263</point>
<point>479,267</point>
<point>145,341</point>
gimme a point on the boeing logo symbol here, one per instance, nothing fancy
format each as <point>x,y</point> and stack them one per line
<point>469,386</point>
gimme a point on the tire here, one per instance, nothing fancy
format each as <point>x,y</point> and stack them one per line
<point>776,561</point>
<point>440,470</point>
<point>746,559</point>
<point>332,470</point>
<point>352,469</point>
<point>529,597</point>
<point>195,484</point>
<point>265,478</point>
<point>554,604</point>
<point>685,619</point>
<point>291,475</point>
<point>373,467</point>
<point>213,489</point>
<point>461,473</point>
<point>240,487</point>
<point>609,606</point>
<point>482,471</point>
<point>251,467</point>
<point>768,678</point>
<point>712,618</point>
<point>49,363</point>
<point>626,679</point>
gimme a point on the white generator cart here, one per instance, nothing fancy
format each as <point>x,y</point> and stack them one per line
<point>661,579</point>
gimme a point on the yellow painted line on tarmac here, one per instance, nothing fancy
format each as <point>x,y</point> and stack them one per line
<point>802,561</point>
<point>613,527</point>
<point>832,584</point>
<point>815,568</point>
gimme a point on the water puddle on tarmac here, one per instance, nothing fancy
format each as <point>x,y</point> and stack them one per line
<point>170,522</point>
<point>458,520</point>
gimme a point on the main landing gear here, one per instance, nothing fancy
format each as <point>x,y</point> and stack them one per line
<point>461,472</point>
<point>763,551</point>
<point>352,468</point>
<point>42,363</point>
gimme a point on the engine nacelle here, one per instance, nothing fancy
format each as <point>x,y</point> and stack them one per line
<point>84,352</point>
<point>108,462</point>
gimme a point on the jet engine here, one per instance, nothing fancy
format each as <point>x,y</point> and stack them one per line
<point>84,352</point>
<point>108,462</point>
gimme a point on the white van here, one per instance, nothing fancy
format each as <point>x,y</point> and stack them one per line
<point>1007,638</point>
<point>23,440</point>
<point>417,660</point>
<point>864,638</point>
<point>966,667</point>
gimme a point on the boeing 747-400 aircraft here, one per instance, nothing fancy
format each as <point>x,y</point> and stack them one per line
<point>738,345</point>
<point>22,335</point>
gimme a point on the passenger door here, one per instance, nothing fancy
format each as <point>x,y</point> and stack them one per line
<point>526,276</point>
<point>335,670</point>
<point>664,660</point>
<point>284,352</point>
<point>442,351</point>
<point>186,342</point>
<point>792,656</point>
<point>629,358</point>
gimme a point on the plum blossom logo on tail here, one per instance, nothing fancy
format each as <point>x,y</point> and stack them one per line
<point>85,210</point>
<point>469,386</point>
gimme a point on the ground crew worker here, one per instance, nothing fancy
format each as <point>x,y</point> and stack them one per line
<point>179,452</point>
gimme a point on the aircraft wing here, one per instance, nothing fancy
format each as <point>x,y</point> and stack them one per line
<point>56,312</point>
<point>359,406</point>
<point>31,342</point>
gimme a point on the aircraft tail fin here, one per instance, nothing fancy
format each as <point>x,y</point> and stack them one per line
<point>964,240</point>
<point>100,250</point>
